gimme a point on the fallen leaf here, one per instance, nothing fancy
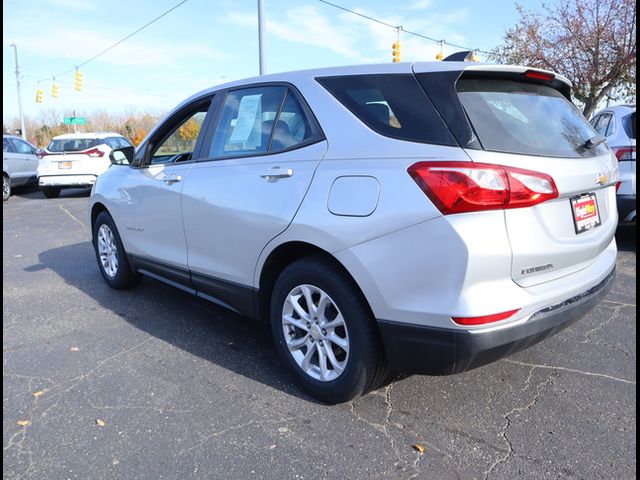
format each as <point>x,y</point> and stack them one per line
<point>74,349</point>
<point>419,448</point>
<point>23,423</point>
<point>100,423</point>
<point>38,393</point>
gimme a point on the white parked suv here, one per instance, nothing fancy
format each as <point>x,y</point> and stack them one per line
<point>618,125</point>
<point>75,160</point>
<point>429,217</point>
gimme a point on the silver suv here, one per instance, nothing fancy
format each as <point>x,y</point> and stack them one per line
<point>618,125</point>
<point>19,164</point>
<point>426,218</point>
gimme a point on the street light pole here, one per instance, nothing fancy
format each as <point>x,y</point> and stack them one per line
<point>15,54</point>
<point>261,45</point>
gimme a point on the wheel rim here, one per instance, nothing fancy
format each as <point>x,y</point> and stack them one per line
<point>315,333</point>
<point>107,251</point>
<point>6,188</point>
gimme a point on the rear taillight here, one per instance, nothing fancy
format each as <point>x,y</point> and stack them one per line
<point>625,153</point>
<point>94,152</point>
<point>496,317</point>
<point>458,187</point>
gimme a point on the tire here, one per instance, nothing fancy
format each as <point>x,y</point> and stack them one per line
<point>51,192</point>
<point>112,259</point>
<point>351,336</point>
<point>6,188</point>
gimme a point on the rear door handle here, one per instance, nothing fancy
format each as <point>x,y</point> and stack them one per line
<point>276,173</point>
<point>171,179</point>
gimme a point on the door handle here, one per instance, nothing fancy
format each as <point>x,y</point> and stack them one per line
<point>171,179</point>
<point>276,173</point>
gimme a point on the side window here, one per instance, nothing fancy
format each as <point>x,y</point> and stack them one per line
<point>123,142</point>
<point>22,147</point>
<point>602,124</point>
<point>112,142</point>
<point>247,121</point>
<point>6,145</point>
<point>594,120</point>
<point>293,126</point>
<point>178,140</point>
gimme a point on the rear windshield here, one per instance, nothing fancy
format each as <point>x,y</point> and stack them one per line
<point>630,125</point>
<point>525,118</point>
<point>392,105</point>
<point>73,144</point>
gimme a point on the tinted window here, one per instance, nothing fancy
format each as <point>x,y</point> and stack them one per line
<point>525,118</point>
<point>602,124</point>
<point>6,145</point>
<point>247,122</point>
<point>392,105</point>
<point>630,125</point>
<point>73,144</point>
<point>113,142</point>
<point>22,147</point>
<point>293,126</point>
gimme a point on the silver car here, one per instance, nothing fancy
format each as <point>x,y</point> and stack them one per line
<point>618,125</point>
<point>19,164</point>
<point>426,218</point>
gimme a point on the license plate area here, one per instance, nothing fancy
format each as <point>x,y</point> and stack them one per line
<point>64,165</point>
<point>586,215</point>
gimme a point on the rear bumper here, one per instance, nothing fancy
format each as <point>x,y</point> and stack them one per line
<point>438,351</point>
<point>626,208</point>
<point>62,181</point>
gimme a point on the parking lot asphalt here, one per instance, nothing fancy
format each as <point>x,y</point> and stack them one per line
<point>154,383</point>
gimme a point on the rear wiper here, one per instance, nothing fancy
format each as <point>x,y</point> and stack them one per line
<point>593,142</point>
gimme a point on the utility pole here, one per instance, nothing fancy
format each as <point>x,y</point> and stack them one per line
<point>261,46</point>
<point>15,54</point>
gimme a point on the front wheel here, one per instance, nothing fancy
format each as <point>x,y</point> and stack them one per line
<point>6,188</point>
<point>325,332</point>
<point>112,259</point>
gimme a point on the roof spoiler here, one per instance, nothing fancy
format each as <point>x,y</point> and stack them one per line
<point>464,56</point>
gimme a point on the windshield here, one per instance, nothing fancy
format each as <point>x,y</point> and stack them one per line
<point>73,144</point>
<point>517,117</point>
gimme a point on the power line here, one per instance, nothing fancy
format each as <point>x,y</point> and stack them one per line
<point>124,39</point>
<point>401,28</point>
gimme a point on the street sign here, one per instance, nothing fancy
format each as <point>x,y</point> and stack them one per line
<point>75,121</point>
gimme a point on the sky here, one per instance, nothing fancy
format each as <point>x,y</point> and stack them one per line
<point>203,43</point>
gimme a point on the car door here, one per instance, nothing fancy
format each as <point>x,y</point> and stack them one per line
<point>262,156</point>
<point>150,203</point>
<point>26,161</point>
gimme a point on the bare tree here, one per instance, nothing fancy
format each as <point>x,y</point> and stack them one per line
<point>591,42</point>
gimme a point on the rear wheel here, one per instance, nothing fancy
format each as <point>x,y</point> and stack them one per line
<point>112,259</point>
<point>324,331</point>
<point>6,188</point>
<point>51,192</point>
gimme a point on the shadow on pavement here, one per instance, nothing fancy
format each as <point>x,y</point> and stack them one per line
<point>34,193</point>
<point>178,318</point>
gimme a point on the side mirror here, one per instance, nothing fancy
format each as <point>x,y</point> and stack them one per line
<point>40,152</point>
<point>121,156</point>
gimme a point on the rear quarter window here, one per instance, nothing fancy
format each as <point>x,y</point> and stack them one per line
<point>393,105</point>
<point>525,118</point>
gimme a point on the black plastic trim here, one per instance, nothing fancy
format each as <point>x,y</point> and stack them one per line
<point>231,295</point>
<point>439,351</point>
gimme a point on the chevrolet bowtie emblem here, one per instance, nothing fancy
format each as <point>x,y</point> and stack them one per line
<point>602,179</point>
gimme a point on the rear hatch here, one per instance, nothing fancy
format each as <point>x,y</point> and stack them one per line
<point>85,156</point>
<point>521,118</point>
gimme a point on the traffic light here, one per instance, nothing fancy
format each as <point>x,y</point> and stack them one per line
<point>55,90</point>
<point>78,84</point>
<point>39,95</point>
<point>396,52</point>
